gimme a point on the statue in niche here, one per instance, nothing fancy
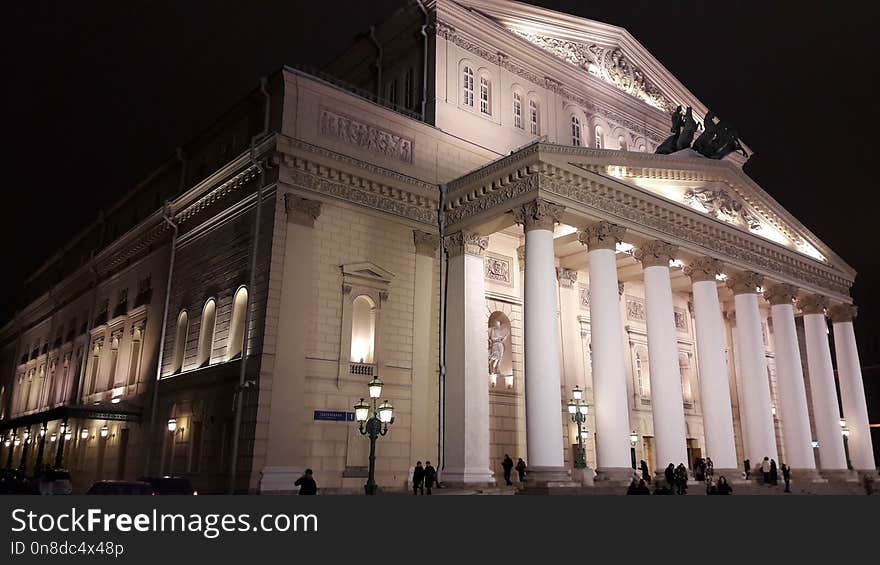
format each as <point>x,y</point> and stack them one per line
<point>670,143</point>
<point>497,335</point>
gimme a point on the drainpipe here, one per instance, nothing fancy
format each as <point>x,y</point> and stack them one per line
<point>424,31</point>
<point>243,383</point>
<point>378,62</point>
<point>444,280</point>
<point>166,216</point>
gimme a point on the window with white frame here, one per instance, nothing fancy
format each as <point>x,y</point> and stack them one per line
<point>236,326</point>
<point>517,111</point>
<point>180,341</point>
<point>575,131</point>
<point>206,333</point>
<point>468,87</point>
<point>485,96</point>
<point>643,377</point>
<point>600,138</point>
<point>363,329</point>
<point>684,366</point>
<point>533,117</point>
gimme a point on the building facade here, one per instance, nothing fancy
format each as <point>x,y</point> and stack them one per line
<point>468,204</point>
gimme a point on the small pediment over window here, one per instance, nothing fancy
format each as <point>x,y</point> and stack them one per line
<point>366,273</point>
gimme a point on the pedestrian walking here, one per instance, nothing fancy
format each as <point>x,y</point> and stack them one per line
<point>723,486</point>
<point>306,483</point>
<point>748,466</point>
<point>418,479</point>
<point>765,470</point>
<point>786,476</point>
<point>681,479</point>
<point>710,468</point>
<point>507,465</point>
<point>430,476</point>
<point>774,475</point>
<point>669,475</point>
<point>521,469</point>
<point>645,474</point>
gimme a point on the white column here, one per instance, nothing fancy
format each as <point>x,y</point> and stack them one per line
<point>543,396</point>
<point>796,433</point>
<point>424,435</point>
<point>757,416</point>
<point>286,386</point>
<point>852,391</point>
<point>714,385</point>
<point>572,350</point>
<point>467,362</point>
<point>826,413</point>
<point>667,404</point>
<point>606,336</point>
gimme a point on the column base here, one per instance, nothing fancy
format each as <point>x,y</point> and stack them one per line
<point>840,475</point>
<point>583,476</point>
<point>623,475</point>
<point>549,477</point>
<point>279,480</point>
<point>468,477</point>
<point>806,475</point>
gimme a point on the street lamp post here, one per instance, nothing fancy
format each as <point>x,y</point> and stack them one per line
<point>578,411</point>
<point>844,431</point>
<point>373,423</point>
<point>633,440</point>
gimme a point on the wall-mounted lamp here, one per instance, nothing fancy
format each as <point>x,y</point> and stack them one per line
<point>84,433</point>
<point>105,431</point>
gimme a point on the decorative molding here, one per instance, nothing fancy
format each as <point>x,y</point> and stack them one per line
<point>680,317</point>
<point>813,304</point>
<point>302,210</point>
<point>497,268</point>
<point>703,269</point>
<point>842,313</point>
<point>538,215</point>
<point>781,293</point>
<point>465,243</point>
<point>566,277</point>
<point>426,243</point>
<point>719,204</point>
<point>602,235</point>
<point>584,297</point>
<point>746,282</point>
<point>521,257</point>
<point>655,253</point>
<point>635,309</point>
<point>365,135</point>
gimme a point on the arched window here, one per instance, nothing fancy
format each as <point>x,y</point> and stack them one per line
<point>236,326</point>
<point>206,333</point>
<point>467,96</point>
<point>485,96</point>
<point>621,143</point>
<point>575,131</point>
<point>533,117</point>
<point>643,376</point>
<point>517,110</point>
<point>180,341</point>
<point>363,329</point>
<point>600,138</point>
<point>684,367</point>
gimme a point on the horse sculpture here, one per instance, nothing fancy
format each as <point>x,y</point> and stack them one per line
<point>717,141</point>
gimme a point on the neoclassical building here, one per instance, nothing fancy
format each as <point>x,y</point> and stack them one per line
<point>467,203</point>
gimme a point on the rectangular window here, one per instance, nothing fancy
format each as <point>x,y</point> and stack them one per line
<point>533,117</point>
<point>468,87</point>
<point>485,107</point>
<point>114,357</point>
<point>392,92</point>
<point>517,111</point>
<point>408,98</point>
<point>93,374</point>
<point>134,362</point>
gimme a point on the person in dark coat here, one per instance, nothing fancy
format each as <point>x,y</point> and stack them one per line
<point>724,486</point>
<point>507,465</point>
<point>521,469</point>
<point>774,475</point>
<point>633,485</point>
<point>660,487</point>
<point>786,476</point>
<point>418,478</point>
<point>748,466</point>
<point>711,487</point>
<point>670,475</point>
<point>681,479</point>
<point>645,474</point>
<point>306,483</point>
<point>430,476</point>
<point>765,470</point>
<point>710,469</point>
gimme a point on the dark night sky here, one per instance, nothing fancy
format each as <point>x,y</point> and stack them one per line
<point>97,94</point>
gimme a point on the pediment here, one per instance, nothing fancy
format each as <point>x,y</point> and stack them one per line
<point>367,271</point>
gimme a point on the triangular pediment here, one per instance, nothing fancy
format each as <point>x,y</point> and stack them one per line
<point>368,271</point>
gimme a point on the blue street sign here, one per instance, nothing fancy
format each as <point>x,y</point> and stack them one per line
<point>334,416</point>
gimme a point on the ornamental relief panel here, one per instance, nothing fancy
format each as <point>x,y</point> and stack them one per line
<point>584,297</point>
<point>365,136</point>
<point>635,309</point>
<point>497,268</point>
<point>680,320</point>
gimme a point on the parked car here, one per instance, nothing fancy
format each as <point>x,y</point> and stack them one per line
<point>171,485</point>
<point>121,487</point>
<point>54,481</point>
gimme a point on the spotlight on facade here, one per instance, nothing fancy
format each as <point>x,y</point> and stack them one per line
<point>115,399</point>
<point>53,438</point>
<point>105,431</point>
<point>43,431</point>
<point>7,442</point>
<point>67,435</point>
<point>375,387</point>
<point>84,433</point>
<point>17,441</point>
<point>172,425</point>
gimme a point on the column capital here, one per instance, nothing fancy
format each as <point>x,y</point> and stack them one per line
<point>465,243</point>
<point>703,269</point>
<point>567,277</point>
<point>781,293</point>
<point>842,312</point>
<point>302,210</point>
<point>602,235</point>
<point>746,282</point>
<point>538,214</point>
<point>426,243</point>
<point>655,253</point>
<point>813,304</point>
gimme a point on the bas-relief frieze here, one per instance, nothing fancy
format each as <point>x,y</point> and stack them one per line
<point>365,135</point>
<point>680,320</point>
<point>497,268</point>
<point>635,309</point>
<point>584,297</point>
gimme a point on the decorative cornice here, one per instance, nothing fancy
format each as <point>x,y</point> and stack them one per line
<point>426,243</point>
<point>302,210</point>
<point>465,243</point>
<point>566,277</point>
<point>703,269</point>
<point>781,293</point>
<point>538,215</point>
<point>842,313</point>
<point>746,282</point>
<point>602,235</point>
<point>656,253</point>
<point>813,304</point>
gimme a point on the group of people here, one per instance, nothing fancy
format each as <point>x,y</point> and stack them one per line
<point>508,466</point>
<point>677,478</point>
<point>770,473</point>
<point>423,478</point>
